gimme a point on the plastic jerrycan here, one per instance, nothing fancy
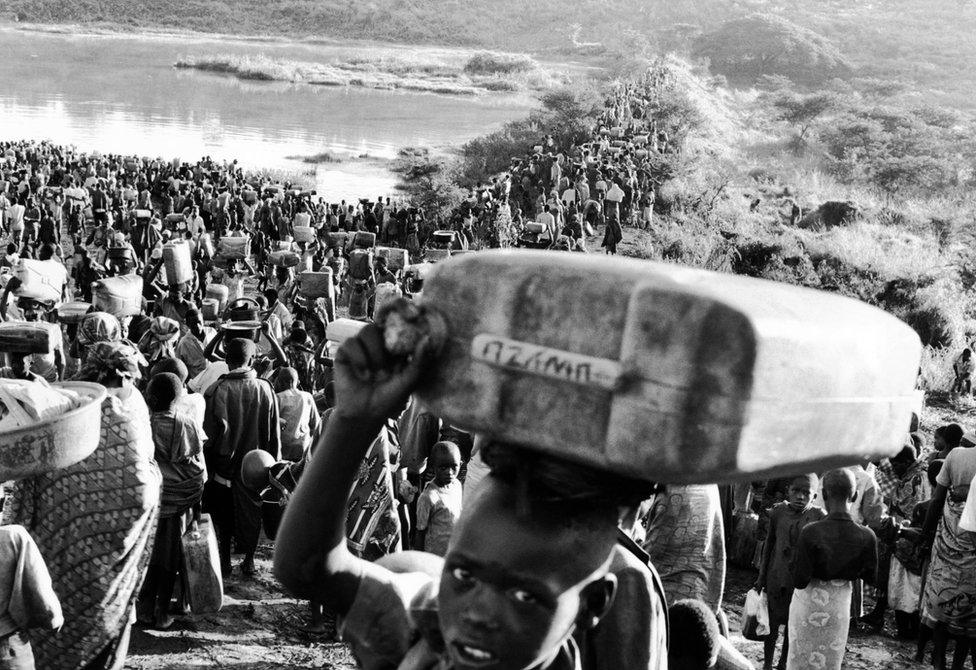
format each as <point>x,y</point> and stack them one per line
<point>663,372</point>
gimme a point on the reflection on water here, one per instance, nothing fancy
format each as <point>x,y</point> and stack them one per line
<point>121,94</point>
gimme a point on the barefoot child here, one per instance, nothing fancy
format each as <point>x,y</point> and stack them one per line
<point>527,565</point>
<point>830,555</point>
<point>775,577</point>
<point>439,505</point>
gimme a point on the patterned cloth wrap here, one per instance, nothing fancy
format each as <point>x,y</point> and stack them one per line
<point>94,523</point>
<point>820,617</point>
<point>109,359</point>
<point>949,597</point>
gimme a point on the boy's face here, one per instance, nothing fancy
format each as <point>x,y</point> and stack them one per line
<point>446,467</point>
<point>800,494</point>
<point>514,589</point>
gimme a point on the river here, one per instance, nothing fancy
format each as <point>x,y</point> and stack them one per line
<point>121,93</point>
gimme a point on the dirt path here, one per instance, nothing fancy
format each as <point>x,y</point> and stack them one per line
<point>259,628</point>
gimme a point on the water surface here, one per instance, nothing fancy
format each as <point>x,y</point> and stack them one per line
<point>120,93</point>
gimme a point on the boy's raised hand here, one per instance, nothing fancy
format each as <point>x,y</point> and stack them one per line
<point>370,383</point>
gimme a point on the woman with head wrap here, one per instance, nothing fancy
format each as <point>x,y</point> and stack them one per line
<point>94,521</point>
<point>160,340</point>
<point>94,327</point>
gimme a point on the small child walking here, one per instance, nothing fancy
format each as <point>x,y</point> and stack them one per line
<point>439,506</point>
<point>297,414</point>
<point>786,519</point>
<point>830,555</point>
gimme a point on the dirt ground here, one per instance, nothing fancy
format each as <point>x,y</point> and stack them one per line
<point>260,628</point>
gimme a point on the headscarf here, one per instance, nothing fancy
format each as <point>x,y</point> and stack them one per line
<point>112,359</point>
<point>99,327</point>
<point>160,340</point>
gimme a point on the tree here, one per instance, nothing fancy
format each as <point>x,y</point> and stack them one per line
<point>749,48</point>
<point>802,110</point>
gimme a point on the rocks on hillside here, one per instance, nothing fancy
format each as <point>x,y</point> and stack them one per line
<point>829,214</point>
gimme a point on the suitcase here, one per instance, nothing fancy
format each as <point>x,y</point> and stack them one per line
<point>201,567</point>
<point>734,378</point>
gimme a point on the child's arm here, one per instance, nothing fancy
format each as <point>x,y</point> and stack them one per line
<point>424,509</point>
<point>311,558</point>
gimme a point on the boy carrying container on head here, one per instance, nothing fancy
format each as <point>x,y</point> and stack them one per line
<point>526,568</point>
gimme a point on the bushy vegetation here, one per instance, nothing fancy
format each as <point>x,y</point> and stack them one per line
<point>764,45</point>
<point>486,62</point>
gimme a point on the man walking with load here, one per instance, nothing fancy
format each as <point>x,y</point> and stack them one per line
<point>241,415</point>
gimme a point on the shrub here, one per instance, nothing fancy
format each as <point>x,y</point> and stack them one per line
<point>489,62</point>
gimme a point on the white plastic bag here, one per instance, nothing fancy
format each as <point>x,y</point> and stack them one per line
<point>755,616</point>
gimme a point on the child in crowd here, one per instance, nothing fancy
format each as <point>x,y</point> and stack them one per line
<point>830,555</point>
<point>527,567</point>
<point>179,455</point>
<point>786,519</point>
<point>439,506</point>
<point>27,598</point>
<point>962,367</point>
<point>297,415</point>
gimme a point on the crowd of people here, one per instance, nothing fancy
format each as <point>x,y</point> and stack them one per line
<point>227,397</point>
<point>556,195</point>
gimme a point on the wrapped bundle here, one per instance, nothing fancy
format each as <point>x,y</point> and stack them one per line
<point>667,373</point>
<point>119,296</point>
<point>304,233</point>
<point>233,247</point>
<point>24,403</point>
<point>44,428</point>
<point>40,280</point>
<point>283,258</point>
<point>364,240</point>
<point>317,284</point>
<point>396,259</point>
<point>73,312</point>
<point>35,337</point>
